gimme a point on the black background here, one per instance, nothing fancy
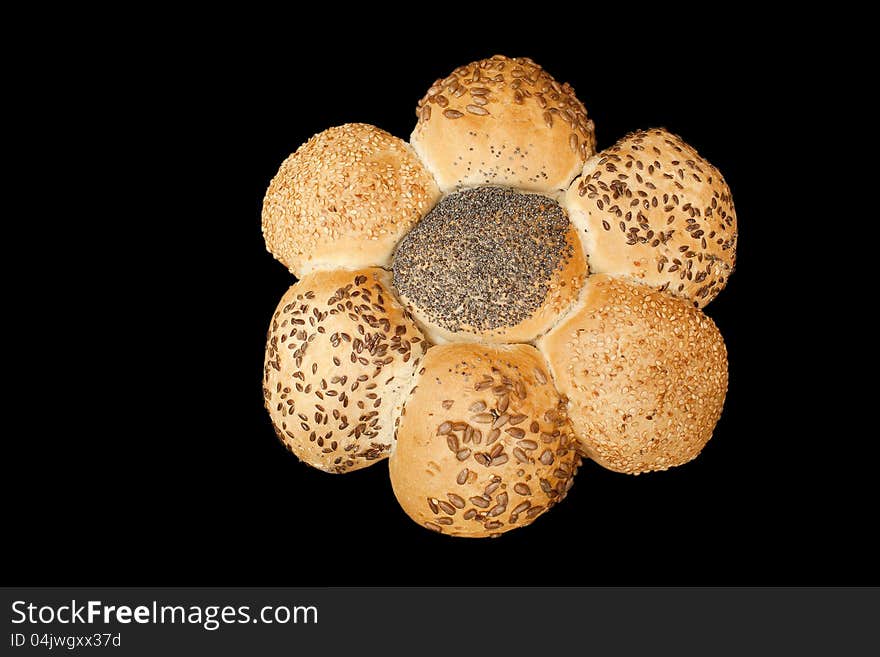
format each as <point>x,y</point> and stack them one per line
<point>150,459</point>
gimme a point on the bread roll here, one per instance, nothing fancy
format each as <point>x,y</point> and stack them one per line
<point>344,199</point>
<point>489,264</point>
<point>651,209</point>
<point>483,444</point>
<point>502,121</point>
<point>645,374</point>
<point>340,355</point>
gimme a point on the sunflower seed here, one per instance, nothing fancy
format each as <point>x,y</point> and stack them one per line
<point>446,507</point>
<point>522,506</point>
<point>476,109</point>
<point>457,500</point>
<point>480,502</point>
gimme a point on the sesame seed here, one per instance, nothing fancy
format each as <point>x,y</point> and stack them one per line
<point>356,182</point>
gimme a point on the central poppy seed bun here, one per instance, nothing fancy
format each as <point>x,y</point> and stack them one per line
<point>340,355</point>
<point>489,264</point>
<point>645,374</point>
<point>652,210</point>
<point>502,121</point>
<point>483,443</point>
<point>344,199</point>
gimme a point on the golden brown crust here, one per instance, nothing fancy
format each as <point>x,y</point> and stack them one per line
<point>483,444</point>
<point>344,199</point>
<point>651,209</point>
<point>340,355</point>
<point>645,374</point>
<point>502,121</point>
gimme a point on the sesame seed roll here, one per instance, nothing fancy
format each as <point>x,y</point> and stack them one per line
<point>502,121</point>
<point>483,443</point>
<point>340,355</point>
<point>651,209</point>
<point>344,199</point>
<point>645,374</point>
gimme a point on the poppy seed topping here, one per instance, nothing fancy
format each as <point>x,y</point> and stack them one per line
<point>483,258</point>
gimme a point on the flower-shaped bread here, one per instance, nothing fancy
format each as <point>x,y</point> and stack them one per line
<point>492,301</point>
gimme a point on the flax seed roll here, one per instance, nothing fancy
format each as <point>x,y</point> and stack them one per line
<point>483,443</point>
<point>502,121</point>
<point>645,375</point>
<point>344,199</point>
<point>651,209</point>
<point>340,355</point>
